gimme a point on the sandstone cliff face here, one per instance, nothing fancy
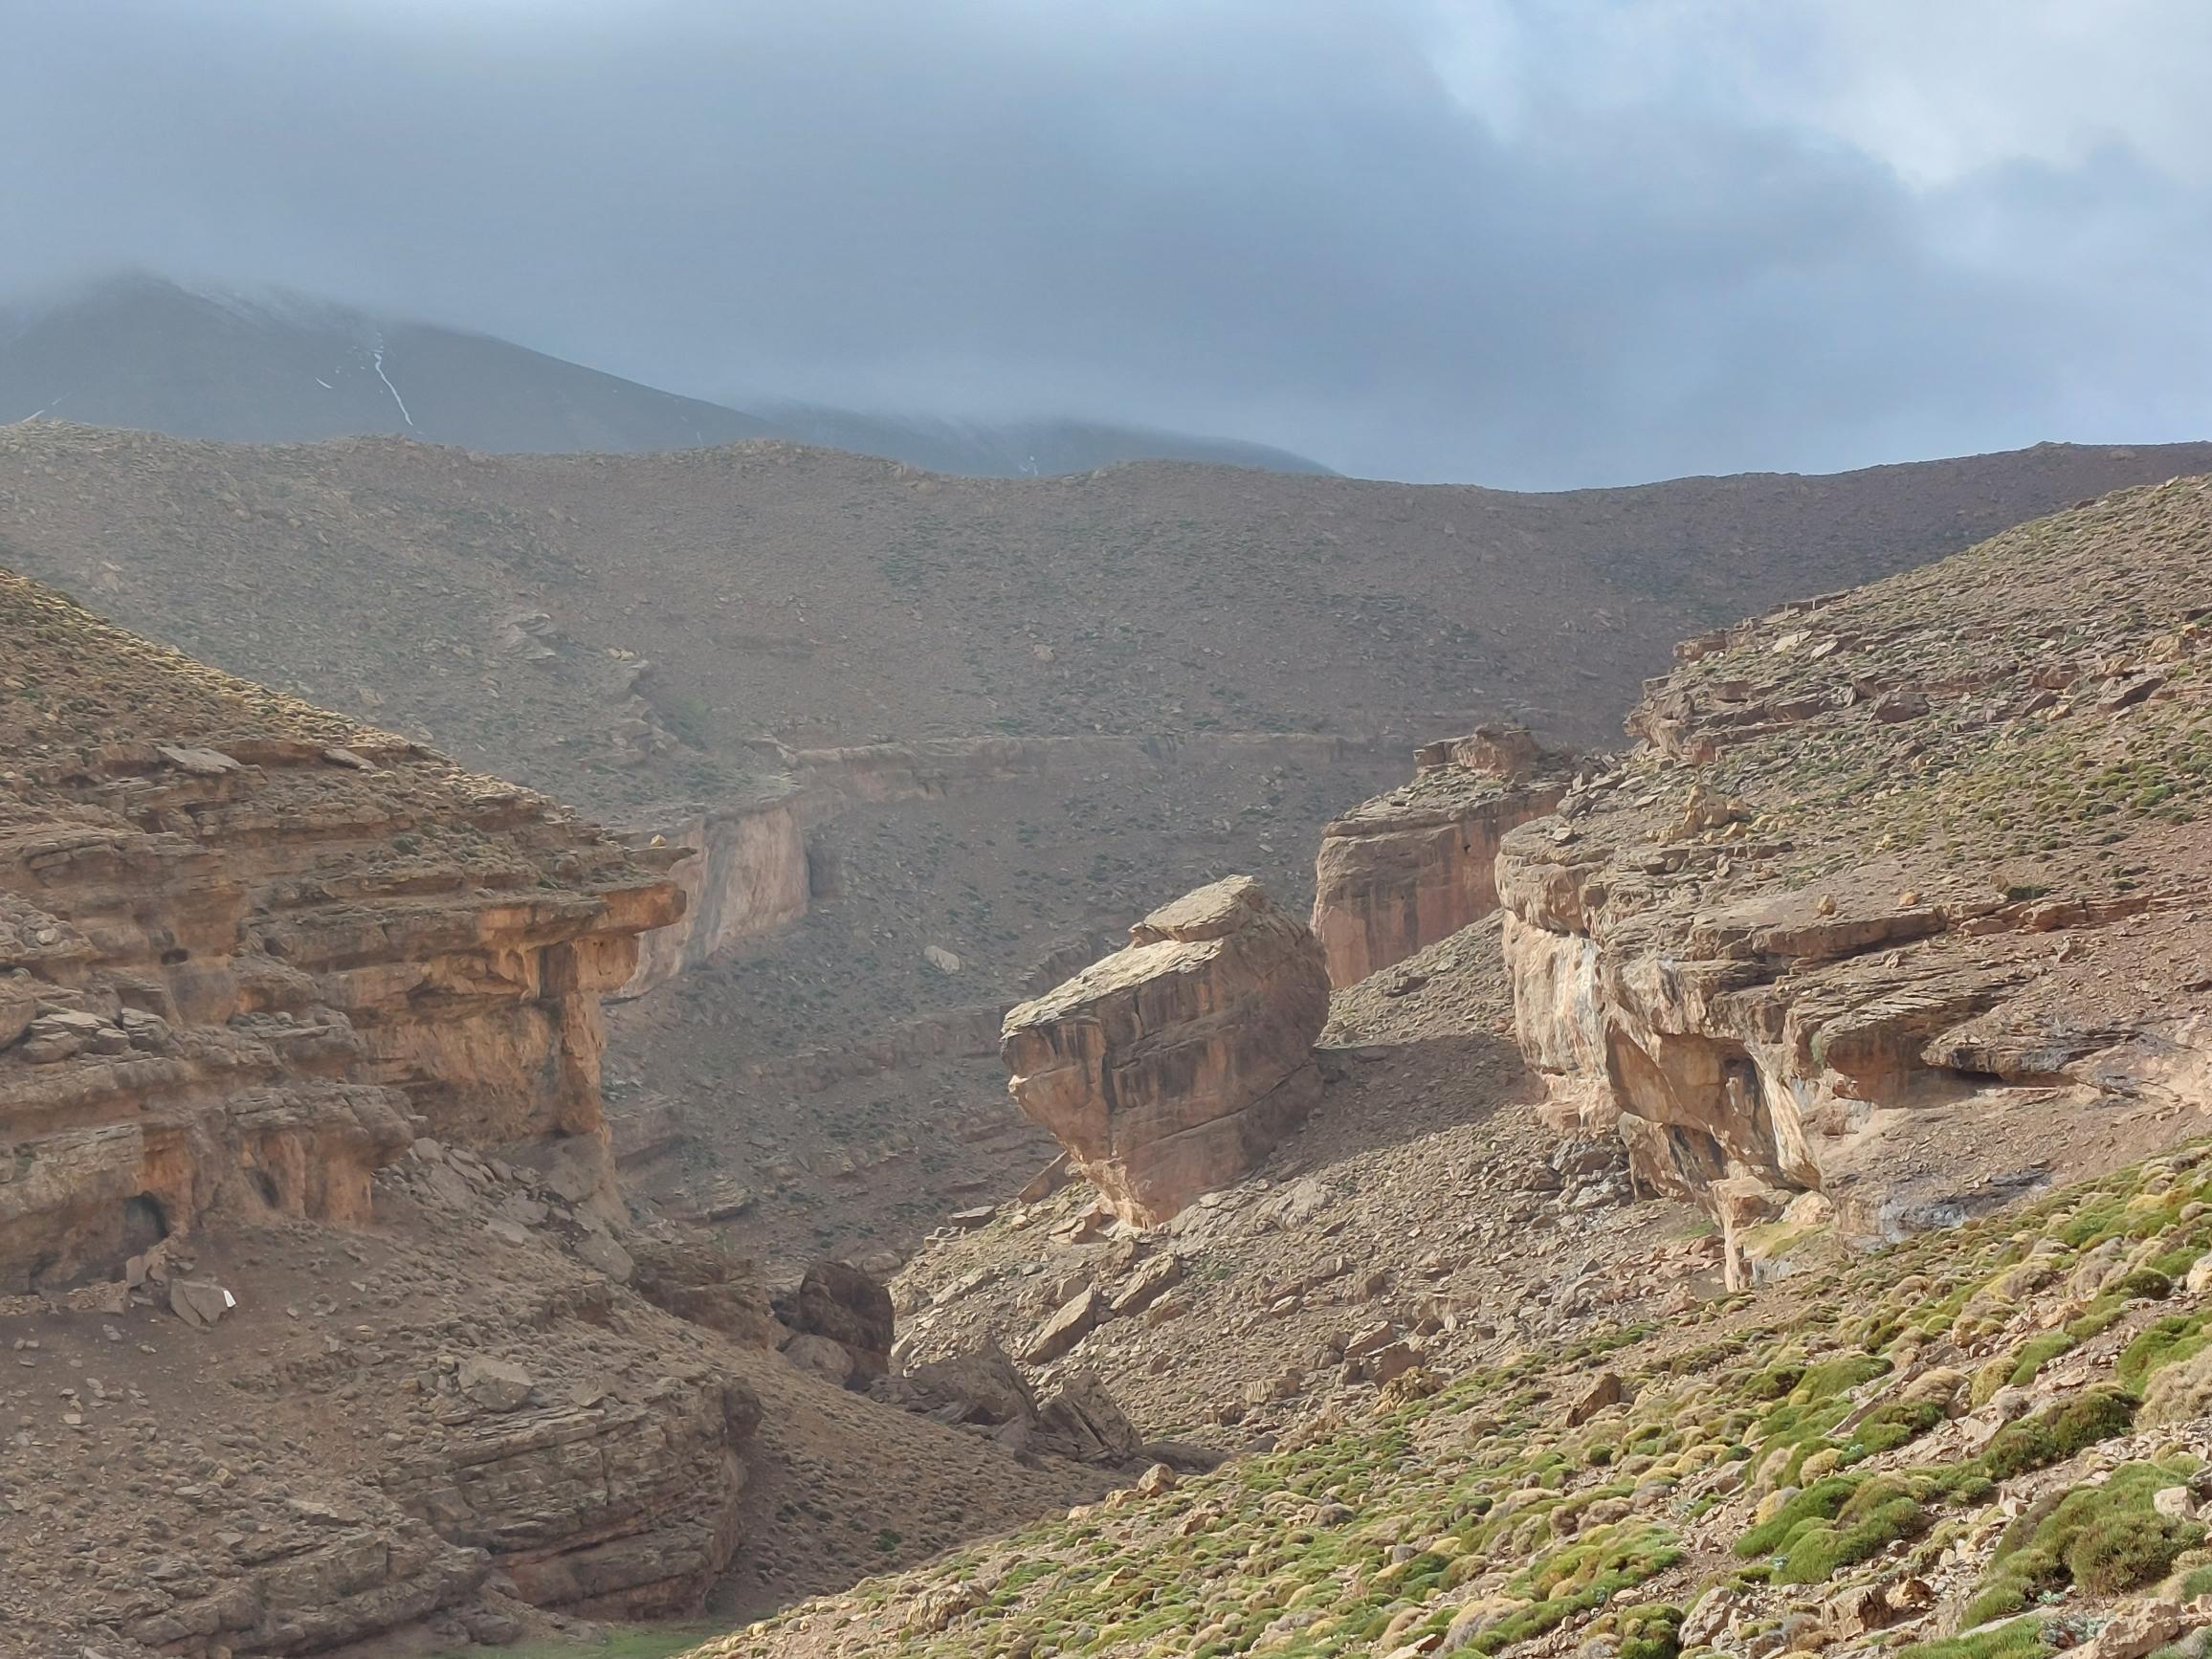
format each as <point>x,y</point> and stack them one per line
<point>1416,865</point>
<point>747,876</point>
<point>249,945</point>
<point>1170,1068</point>
<point>1895,902</point>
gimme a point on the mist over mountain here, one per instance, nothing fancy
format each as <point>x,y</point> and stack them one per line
<point>141,351</point>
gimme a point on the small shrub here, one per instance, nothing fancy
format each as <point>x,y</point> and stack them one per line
<point>2037,1353</point>
<point>2055,1433</point>
<point>1650,1632</point>
<point>2104,1538</point>
<point>1839,1522</point>
<point>1773,1383</point>
<point>1891,1426</point>
<point>2019,1639</point>
<point>1880,1514</point>
<point>2166,1343</point>
<point>2179,1390</point>
<point>2146,1283</point>
<point>2123,1549</point>
<point>1823,1501</point>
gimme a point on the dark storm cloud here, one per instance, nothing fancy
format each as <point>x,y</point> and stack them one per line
<point>1280,219</point>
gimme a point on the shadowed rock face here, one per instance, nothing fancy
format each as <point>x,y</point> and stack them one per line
<point>1170,1068</point>
<point>1416,865</point>
<point>626,1509</point>
<point>840,1303</point>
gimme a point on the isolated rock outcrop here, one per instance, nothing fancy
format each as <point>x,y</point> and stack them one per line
<point>1892,901</point>
<point>1170,1068</point>
<point>619,1508</point>
<point>1411,867</point>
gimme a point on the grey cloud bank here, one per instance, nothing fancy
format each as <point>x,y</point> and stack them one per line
<point>1473,242</point>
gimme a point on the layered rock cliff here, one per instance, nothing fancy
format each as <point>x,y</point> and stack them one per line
<point>248,949</point>
<point>1898,902</point>
<point>1414,866</point>
<point>1170,1068</point>
<point>251,956</point>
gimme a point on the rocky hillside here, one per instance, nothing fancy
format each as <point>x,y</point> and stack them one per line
<point>609,626</point>
<point>630,631</point>
<point>1885,935</point>
<point>1420,1217</point>
<point>1899,901</point>
<point>1989,1442</point>
<point>327,1317</point>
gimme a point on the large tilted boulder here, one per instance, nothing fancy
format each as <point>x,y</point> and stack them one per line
<point>1171,1067</point>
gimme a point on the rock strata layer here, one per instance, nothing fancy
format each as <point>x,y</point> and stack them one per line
<point>263,973</point>
<point>259,949</point>
<point>1898,902</point>
<point>1170,1068</point>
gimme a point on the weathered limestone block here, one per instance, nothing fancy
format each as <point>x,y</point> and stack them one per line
<point>1172,1066</point>
<point>852,1308</point>
<point>1415,866</point>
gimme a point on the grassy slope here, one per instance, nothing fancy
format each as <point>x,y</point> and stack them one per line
<point>1783,1445</point>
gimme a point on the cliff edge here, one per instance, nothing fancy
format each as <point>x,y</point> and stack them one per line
<point>1899,899</point>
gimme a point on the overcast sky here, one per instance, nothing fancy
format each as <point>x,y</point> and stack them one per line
<point>1525,244</point>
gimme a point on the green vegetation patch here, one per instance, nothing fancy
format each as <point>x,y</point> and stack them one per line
<point>1845,1520</point>
<point>2167,1341</point>
<point>2016,1638</point>
<point>2058,1432</point>
<point>2105,1539</point>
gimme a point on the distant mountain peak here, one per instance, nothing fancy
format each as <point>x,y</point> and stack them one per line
<point>269,364</point>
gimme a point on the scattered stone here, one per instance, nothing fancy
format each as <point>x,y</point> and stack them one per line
<point>1080,1419</point>
<point>601,1253</point>
<point>199,763</point>
<point>820,1357</point>
<point>1069,1325</point>
<point>494,1384</point>
<point>1148,1285</point>
<point>1604,1389</point>
<point>199,1302</point>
